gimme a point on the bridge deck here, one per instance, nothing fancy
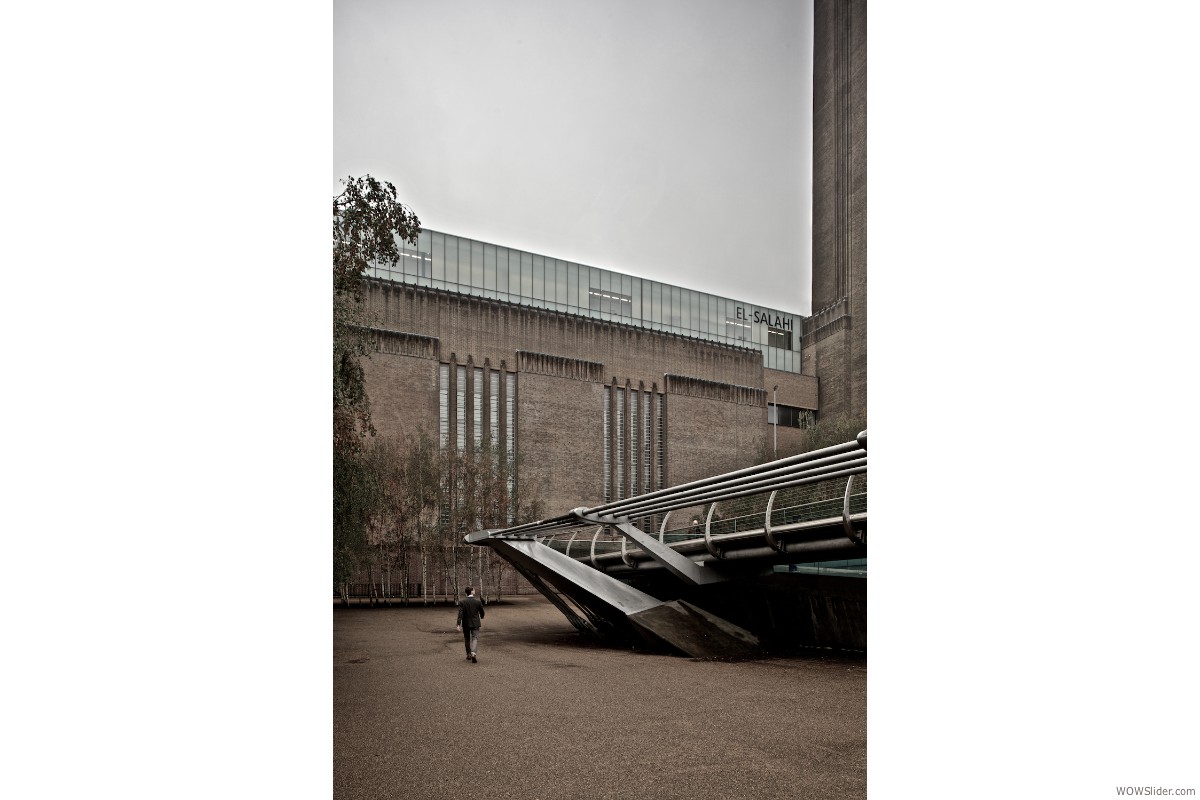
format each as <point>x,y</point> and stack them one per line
<point>579,582</point>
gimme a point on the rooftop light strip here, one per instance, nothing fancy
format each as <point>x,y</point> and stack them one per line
<point>608,296</point>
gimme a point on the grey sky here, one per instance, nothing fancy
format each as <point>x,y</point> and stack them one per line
<point>670,140</point>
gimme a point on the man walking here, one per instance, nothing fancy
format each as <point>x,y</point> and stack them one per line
<point>470,614</point>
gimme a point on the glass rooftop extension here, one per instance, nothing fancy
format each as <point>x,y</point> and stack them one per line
<point>476,268</point>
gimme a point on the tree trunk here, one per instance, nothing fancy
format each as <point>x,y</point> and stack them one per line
<point>424,579</point>
<point>404,571</point>
<point>491,570</point>
<point>387,590</point>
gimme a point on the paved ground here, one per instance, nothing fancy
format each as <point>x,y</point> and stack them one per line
<point>547,714</point>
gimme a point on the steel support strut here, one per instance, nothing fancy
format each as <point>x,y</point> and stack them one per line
<point>678,565</point>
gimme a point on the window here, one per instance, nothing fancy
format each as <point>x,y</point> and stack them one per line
<point>476,267</point>
<point>539,280</point>
<point>777,337</point>
<point>452,261</point>
<point>610,301</point>
<point>634,450</point>
<point>489,269</point>
<point>414,262</point>
<point>444,404</point>
<point>502,272</point>
<point>662,398</point>
<point>607,444</point>
<point>477,408</point>
<point>635,432</point>
<point>438,251</point>
<point>510,436</point>
<point>737,329</point>
<point>510,423</point>
<point>494,409</point>
<point>620,444</point>
<point>791,417</point>
<point>460,391</point>
<point>647,443</point>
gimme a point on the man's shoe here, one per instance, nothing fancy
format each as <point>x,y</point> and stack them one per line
<point>474,660</point>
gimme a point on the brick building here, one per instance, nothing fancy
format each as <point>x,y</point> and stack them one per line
<point>835,336</point>
<point>604,385</point>
<point>608,385</point>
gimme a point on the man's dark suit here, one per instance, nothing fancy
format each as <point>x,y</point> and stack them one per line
<point>470,614</point>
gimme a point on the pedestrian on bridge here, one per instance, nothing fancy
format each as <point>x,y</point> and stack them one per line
<point>470,620</point>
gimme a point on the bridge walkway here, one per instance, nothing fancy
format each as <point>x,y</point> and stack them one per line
<point>594,588</point>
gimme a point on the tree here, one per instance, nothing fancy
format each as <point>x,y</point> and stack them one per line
<point>427,498</point>
<point>367,222</point>
<point>483,494</point>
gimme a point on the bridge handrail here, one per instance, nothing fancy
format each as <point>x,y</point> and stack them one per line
<point>683,537</point>
<point>824,464</point>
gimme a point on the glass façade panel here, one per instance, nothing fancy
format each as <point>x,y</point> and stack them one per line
<point>572,287</point>
<point>489,270</point>
<point>438,250</point>
<point>452,262</point>
<point>560,285</point>
<point>476,267</point>
<point>425,248</point>
<point>526,276</point>
<point>539,281</point>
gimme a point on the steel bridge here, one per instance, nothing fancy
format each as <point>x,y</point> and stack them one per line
<point>712,588</point>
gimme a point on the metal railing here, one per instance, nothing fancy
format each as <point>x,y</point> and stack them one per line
<point>585,533</point>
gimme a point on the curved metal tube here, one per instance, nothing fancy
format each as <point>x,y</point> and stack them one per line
<point>713,550</point>
<point>851,534</point>
<point>595,536</point>
<point>782,478</point>
<point>826,464</point>
<point>822,456</point>
<point>771,541</point>
<point>625,555</point>
<point>826,473</point>
<point>570,541</point>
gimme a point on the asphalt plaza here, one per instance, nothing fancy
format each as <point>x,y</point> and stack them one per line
<point>547,713</point>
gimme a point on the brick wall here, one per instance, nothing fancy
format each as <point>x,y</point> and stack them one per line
<point>715,421</point>
<point>495,330</point>
<point>403,390</point>
<point>706,437</point>
<point>560,440</point>
<point>835,337</point>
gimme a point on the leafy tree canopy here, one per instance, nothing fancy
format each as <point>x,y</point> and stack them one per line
<point>367,221</point>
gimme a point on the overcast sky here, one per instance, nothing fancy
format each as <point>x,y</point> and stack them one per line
<point>669,140</point>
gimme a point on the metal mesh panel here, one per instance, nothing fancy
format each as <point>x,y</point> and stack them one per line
<point>634,449</point>
<point>607,444</point>
<point>659,443</point>
<point>494,407</point>
<point>460,392</point>
<point>477,408</point>
<point>647,443</point>
<point>444,405</point>
<point>620,443</point>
